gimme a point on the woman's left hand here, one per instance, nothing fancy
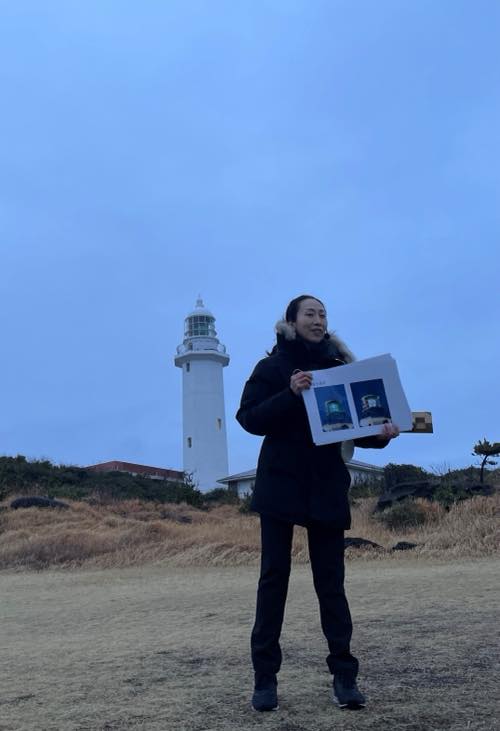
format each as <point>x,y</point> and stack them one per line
<point>389,431</point>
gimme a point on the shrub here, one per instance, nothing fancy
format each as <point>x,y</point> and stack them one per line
<point>221,495</point>
<point>40,477</point>
<point>461,476</point>
<point>405,515</point>
<point>245,504</point>
<point>448,493</point>
<point>367,488</point>
<point>394,474</point>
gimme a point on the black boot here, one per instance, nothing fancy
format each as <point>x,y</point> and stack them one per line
<point>265,695</point>
<point>346,693</point>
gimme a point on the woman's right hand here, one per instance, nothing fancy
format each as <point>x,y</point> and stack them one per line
<point>300,381</point>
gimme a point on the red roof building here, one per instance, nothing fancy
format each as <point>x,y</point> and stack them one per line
<point>153,473</point>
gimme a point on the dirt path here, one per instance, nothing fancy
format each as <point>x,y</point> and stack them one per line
<point>161,648</point>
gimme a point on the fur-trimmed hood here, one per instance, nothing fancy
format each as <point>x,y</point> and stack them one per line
<point>336,345</point>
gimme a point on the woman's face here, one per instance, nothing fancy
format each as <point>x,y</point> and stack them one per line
<point>311,323</point>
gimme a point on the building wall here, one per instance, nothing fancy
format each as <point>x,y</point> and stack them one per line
<point>244,487</point>
<point>362,475</point>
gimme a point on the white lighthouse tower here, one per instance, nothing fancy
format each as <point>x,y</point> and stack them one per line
<point>202,358</point>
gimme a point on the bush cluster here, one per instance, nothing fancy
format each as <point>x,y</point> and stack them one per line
<point>41,477</point>
<point>405,515</point>
<point>221,495</point>
<point>446,488</point>
<point>367,488</point>
<point>395,474</point>
<point>245,504</point>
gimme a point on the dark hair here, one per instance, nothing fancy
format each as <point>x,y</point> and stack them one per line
<point>291,313</point>
<point>293,308</point>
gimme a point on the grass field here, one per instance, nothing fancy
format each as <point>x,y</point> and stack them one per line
<point>160,647</point>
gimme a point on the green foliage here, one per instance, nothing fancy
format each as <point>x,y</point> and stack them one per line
<point>221,495</point>
<point>444,486</point>
<point>449,492</point>
<point>455,485</point>
<point>40,477</point>
<point>464,476</point>
<point>395,474</point>
<point>367,488</point>
<point>494,476</point>
<point>245,504</point>
<point>404,515</point>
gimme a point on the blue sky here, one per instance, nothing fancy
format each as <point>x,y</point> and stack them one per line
<point>249,151</point>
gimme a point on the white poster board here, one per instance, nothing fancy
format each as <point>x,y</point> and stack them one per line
<point>356,400</point>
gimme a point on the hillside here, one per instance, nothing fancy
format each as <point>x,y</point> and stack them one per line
<point>134,532</point>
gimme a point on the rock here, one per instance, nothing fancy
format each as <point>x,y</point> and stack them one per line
<point>37,502</point>
<point>404,546</point>
<point>359,543</point>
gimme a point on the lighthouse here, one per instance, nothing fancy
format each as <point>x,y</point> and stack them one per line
<point>202,358</point>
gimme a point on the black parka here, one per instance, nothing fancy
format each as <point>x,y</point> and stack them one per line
<point>296,480</point>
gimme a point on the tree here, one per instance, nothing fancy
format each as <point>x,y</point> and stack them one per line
<point>486,450</point>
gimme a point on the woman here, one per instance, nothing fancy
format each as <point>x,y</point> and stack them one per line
<point>300,483</point>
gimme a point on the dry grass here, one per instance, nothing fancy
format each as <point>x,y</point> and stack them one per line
<point>133,532</point>
<point>469,529</point>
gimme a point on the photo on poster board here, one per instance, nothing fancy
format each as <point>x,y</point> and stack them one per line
<point>333,408</point>
<point>371,403</point>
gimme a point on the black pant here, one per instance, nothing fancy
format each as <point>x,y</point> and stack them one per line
<point>326,551</point>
